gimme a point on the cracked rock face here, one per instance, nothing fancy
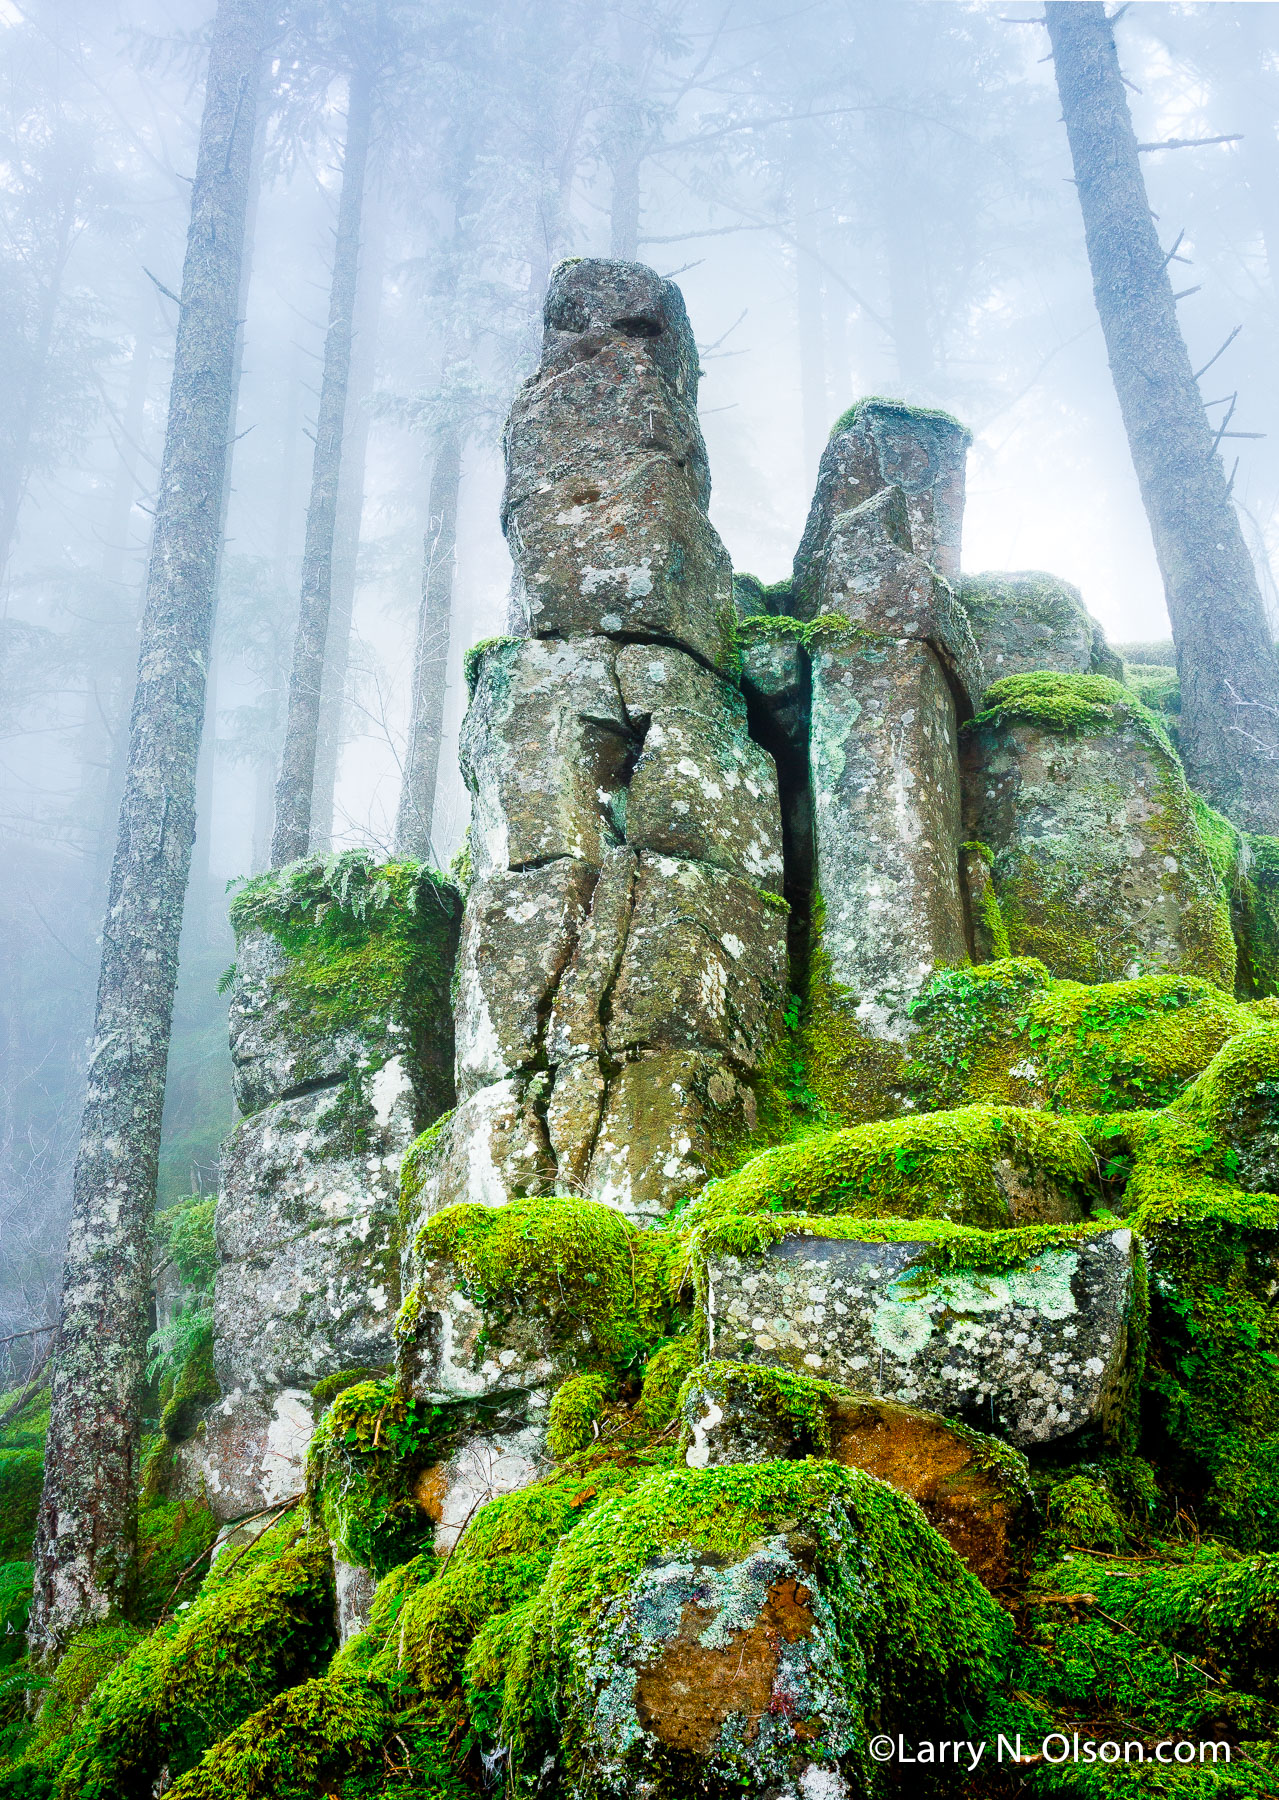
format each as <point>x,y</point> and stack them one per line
<point>887,445</point>
<point>307,1228</point>
<point>273,1053</point>
<point>1033,1353</point>
<point>1099,869</point>
<point>250,1452</point>
<point>607,483</point>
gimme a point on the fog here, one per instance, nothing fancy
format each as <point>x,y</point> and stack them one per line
<point>857,198</point>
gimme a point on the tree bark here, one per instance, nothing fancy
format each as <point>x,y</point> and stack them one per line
<point>1229,673</point>
<point>346,540</point>
<point>426,721</point>
<point>85,1550</point>
<point>293,791</point>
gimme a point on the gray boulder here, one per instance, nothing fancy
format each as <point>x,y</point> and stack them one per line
<point>1034,1352</point>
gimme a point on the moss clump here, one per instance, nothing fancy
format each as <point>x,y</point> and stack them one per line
<point>365,944</point>
<point>770,628</point>
<point>1081,705</point>
<point>597,1282</point>
<point>1082,1515</point>
<point>174,1537</point>
<point>87,1660</point>
<point>1159,690</point>
<point>325,1392</point>
<point>914,1632</point>
<point>664,1376</point>
<point>932,1166</point>
<point>576,1409</point>
<point>333,1729</point>
<point>1005,1031</point>
<point>368,1449</point>
<point>196,1386</point>
<point>261,1624</point>
<point>21,1479</point>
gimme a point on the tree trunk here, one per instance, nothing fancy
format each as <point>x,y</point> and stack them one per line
<point>292,835</point>
<point>346,540</point>
<point>1229,673</point>
<point>426,721</point>
<point>85,1550</point>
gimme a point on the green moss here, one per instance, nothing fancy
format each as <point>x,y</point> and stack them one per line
<point>174,1537</point>
<point>769,628</point>
<point>195,1388</point>
<point>368,1449</point>
<point>932,1166</point>
<point>754,598</point>
<point>325,1392</point>
<point>927,1636</point>
<point>262,1624</point>
<point>576,1409</point>
<point>849,417</point>
<point>1004,1031</point>
<point>87,1660</point>
<point>1082,705</point>
<point>597,1282</point>
<point>365,943</point>
<point>1082,1515</point>
<point>475,656</point>
<point>15,1599</point>
<point>844,1074</point>
<point>21,1479</point>
<point>302,1744</point>
<point>664,1376</point>
<point>1158,687</point>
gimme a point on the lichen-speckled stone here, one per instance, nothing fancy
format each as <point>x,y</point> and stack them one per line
<point>1029,621</point>
<point>701,787</point>
<point>704,964</point>
<point>249,1452</point>
<point>493,1146</point>
<point>889,444</point>
<point>775,681</point>
<point>306,1228</point>
<point>1099,868</point>
<point>1033,1353</point>
<point>883,755</point>
<point>606,490</point>
<point>663,1127</point>
<point>545,747</point>
<point>518,933</point>
<point>865,571</point>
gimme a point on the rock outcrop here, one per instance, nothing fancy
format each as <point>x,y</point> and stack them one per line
<point>821,1175</point>
<point>622,969</point>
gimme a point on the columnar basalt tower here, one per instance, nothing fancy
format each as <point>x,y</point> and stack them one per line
<point>894,668</point>
<point>622,964</point>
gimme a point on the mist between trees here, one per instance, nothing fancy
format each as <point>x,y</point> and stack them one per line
<point>856,199</point>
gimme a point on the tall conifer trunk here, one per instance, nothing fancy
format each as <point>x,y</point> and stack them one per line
<point>293,791</point>
<point>416,814</point>
<point>85,1549</point>
<point>1229,673</point>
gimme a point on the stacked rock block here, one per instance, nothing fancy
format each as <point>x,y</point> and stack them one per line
<point>894,669</point>
<point>622,966</point>
<point>341,1042</point>
<point>1082,826</point>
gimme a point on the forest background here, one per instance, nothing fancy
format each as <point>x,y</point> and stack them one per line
<point>855,198</point>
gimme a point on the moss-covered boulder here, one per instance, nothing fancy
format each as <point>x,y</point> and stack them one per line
<point>1099,866</point>
<point>342,969</point>
<point>1030,621</point>
<point>743,1629</point>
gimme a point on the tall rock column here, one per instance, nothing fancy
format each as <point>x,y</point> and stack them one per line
<point>894,667</point>
<point>622,966</point>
